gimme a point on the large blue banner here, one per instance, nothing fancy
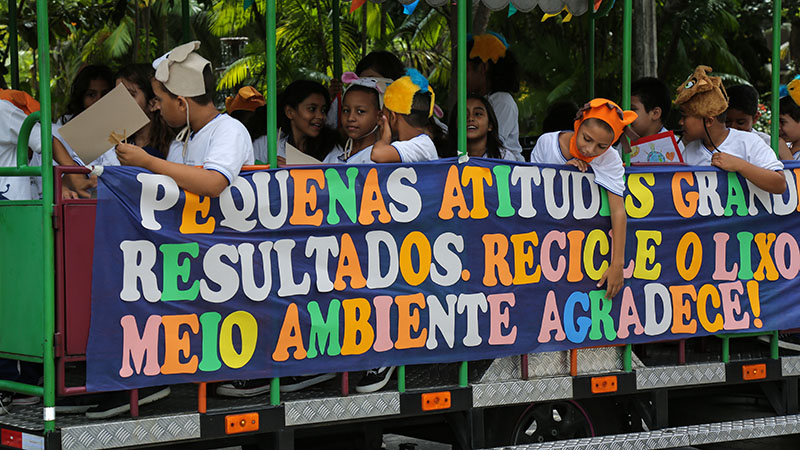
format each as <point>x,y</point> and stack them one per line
<point>328,269</point>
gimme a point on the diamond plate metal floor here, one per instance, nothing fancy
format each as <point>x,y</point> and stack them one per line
<point>678,436</point>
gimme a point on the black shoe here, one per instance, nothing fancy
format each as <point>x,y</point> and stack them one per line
<point>119,402</point>
<point>292,384</point>
<point>374,380</point>
<point>244,388</point>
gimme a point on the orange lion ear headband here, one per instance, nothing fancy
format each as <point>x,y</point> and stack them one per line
<point>608,112</point>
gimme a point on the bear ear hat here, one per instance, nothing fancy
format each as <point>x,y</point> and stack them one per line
<point>702,95</point>
<point>181,70</point>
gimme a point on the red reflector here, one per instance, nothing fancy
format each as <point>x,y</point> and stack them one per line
<point>11,438</point>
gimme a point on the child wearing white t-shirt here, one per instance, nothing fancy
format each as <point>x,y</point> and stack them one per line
<point>600,123</point>
<point>407,111</point>
<point>184,86</point>
<point>493,71</point>
<point>710,143</point>
<point>790,125</point>
<point>362,103</point>
<point>15,188</point>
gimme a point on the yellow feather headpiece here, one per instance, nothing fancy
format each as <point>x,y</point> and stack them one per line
<point>399,96</point>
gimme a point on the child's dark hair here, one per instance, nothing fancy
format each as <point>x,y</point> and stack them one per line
<point>81,84</point>
<point>560,116</point>
<point>744,98</point>
<point>420,110</point>
<point>210,84</point>
<point>292,96</point>
<point>503,75</point>
<point>161,135</point>
<point>493,144</point>
<point>387,64</point>
<point>653,93</point>
<point>790,108</point>
<point>359,88</point>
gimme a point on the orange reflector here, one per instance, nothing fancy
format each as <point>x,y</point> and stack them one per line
<point>604,384</point>
<point>241,423</point>
<point>754,372</point>
<point>435,400</point>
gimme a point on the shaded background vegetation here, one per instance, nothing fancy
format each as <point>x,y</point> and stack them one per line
<point>732,36</point>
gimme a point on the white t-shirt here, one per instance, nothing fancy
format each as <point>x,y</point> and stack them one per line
<point>505,108</point>
<point>16,188</point>
<point>764,136</point>
<point>742,144</point>
<point>336,156</point>
<point>260,147</point>
<point>420,148</point>
<point>608,169</point>
<point>223,145</point>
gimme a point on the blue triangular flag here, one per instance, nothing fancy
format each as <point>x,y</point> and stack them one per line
<point>248,3</point>
<point>511,10</point>
<point>409,9</point>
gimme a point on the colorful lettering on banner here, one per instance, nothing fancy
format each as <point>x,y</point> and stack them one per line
<point>307,270</point>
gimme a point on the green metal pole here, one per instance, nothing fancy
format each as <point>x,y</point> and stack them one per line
<point>275,391</point>
<point>627,16</point>
<point>24,137</point>
<point>776,73</point>
<point>337,38</point>
<point>462,76</point>
<point>185,27</point>
<point>591,48</point>
<point>43,37</point>
<point>13,43</point>
<point>401,379</point>
<point>462,111</point>
<point>272,87</point>
<point>272,131</point>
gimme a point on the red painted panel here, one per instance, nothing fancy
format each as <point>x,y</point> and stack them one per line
<point>78,250</point>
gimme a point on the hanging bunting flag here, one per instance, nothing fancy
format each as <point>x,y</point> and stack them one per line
<point>356,4</point>
<point>409,9</point>
<point>511,10</point>
<point>248,3</point>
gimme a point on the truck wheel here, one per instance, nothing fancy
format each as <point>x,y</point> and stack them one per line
<point>542,422</point>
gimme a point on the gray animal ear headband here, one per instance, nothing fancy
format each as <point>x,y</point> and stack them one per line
<point>377,83</point>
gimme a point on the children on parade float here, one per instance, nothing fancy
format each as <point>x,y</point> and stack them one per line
<point>703,102</point>
<point>90,84</point>
<point>362,107</point>
<point>387,121</point>
<point>483,139</point>
<point>789,118</point>
<point>599,124</point>
<point>219,144</point>
<point>651,101</point>
<point>302,109</point>
<point>156,137</point>
<point>743,112</point>
<point>493,71</point>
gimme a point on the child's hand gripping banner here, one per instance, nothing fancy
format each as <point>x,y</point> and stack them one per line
<point>330,269</point>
